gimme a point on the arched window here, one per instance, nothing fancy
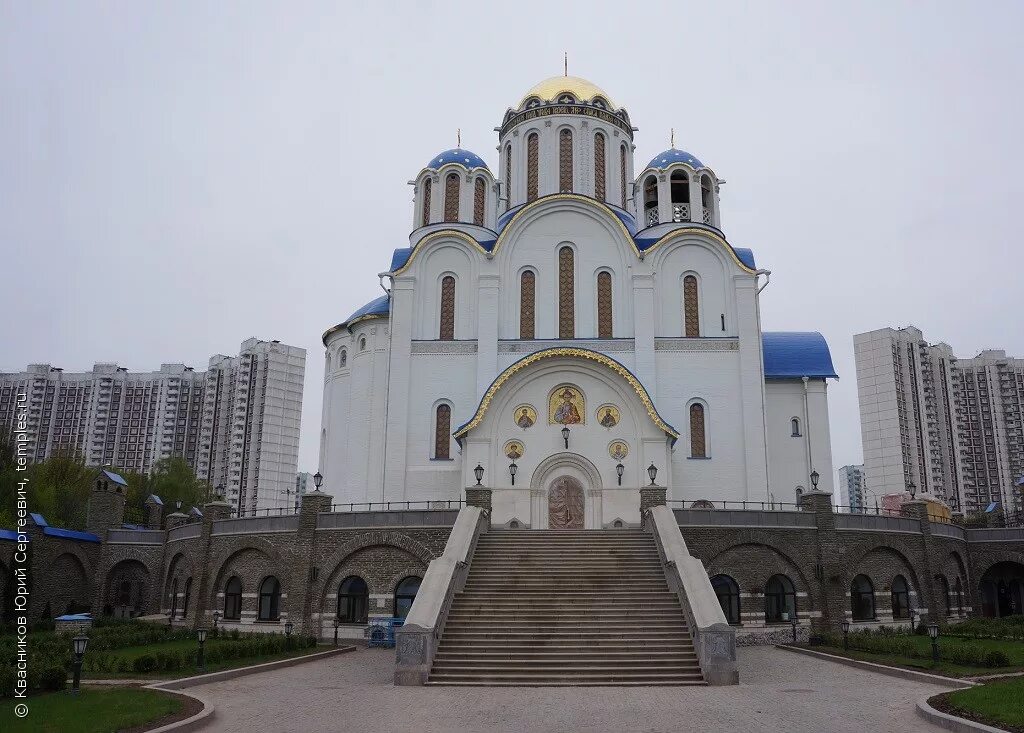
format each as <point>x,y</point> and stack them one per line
<point>599,166</point>
<point>451,197</point>
<point>233,600</point>
<point>566,294</point>
<point>651,201</point>
<point>426,201</point>
<point>943,584</point>
<point>680,192</point>
<point>184,601</point>
<point>698,431</point>
<point>900,597</point>
<point>270,600</point>
<point>862,599</point>
<point>707,199</point>
<point>342,358</point>
<point>565,160</point>
<point>527,304</point>
<point>794,426</point>
<point>508,177</point>
<point>362,343</point>
<point>405,594</point>
<point>728,597</point>
<point>353,600</point>
<point>174,598</point>
<point>604,305</point>
<point>691,307</point>
<point>447,314</point>
<point>124,593</point>
<point>779,599</point>
<point>622,173</point>
<point>479,201</point>
<point>532,155</point>
<point>442,430</point>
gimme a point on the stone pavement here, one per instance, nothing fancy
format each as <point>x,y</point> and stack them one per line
<point>781,693</point>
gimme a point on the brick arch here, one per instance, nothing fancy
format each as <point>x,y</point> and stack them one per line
<point>178,561</point>
<point>65,566</point>
<point>107,591</point>
<point>335,563</point>
<point>715,566</point>
<point>907,570</point>
<point>274,565</point>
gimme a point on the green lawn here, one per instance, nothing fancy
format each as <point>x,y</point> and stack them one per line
<point>996,703</point>
<point>1013,649</point>
<point>91,711</point>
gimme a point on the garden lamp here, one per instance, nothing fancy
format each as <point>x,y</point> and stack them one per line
<point>912,488</point>
<point>318,478</point>
<point>652,472</point>
<point>933,632</point>
<point>78,644</point>
<point>479,473</point>
<point>846,635</point>
<point>201,659</point>
<point>815,477</point>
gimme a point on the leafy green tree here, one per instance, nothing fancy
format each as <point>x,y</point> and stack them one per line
<point>59,487</point>
<point>8,480</point>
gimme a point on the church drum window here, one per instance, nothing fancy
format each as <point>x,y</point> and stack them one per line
<point>527,304</point>
<point>426,202</point>
<point>566,294</point>
<point>604,305</point>
<point>479,201</point>
<point>532,155</point>
<point>447,314</point>
<point>622,174</point>
<point>650,201</point>
<point>680,193</point>
<point>691,307</point>
<point>599,167</point>
<point>451,197</point>
<point>508,177</point>
<point>794,426</point>
<point>565,161</point>
<point>442,430</point>
<point>698,438</point>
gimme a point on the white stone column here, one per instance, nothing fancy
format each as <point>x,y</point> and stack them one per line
<point>696,208</point>
<point>643,318</point>
<point>436,199</point>
<point>397,389</point>
<point>487,328</point>
<point>664,198</point>
<point>751,387</point>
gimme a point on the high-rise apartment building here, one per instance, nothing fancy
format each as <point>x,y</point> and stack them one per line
<point>236,425</point>
<point>851,481</point>
<point>302,480</point>
<point>951,426</point>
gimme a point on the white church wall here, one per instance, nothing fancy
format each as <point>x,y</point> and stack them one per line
<point>443,258</point>
<point>791,459</point>
<point>715,292</point>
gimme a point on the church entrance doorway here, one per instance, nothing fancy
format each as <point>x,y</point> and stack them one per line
<point>565,503</point>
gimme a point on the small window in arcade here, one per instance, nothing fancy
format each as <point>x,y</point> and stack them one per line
<point>270,600</point>
<point>779,599</point>
<point>405,594</point>
<point>862,599</point>
<point>900,598</point>
<point>233,600</point>
<point>728,593</point>
<point>353,600</point>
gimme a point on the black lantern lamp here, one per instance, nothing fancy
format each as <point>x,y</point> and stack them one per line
<point>177,505</point>
<point>512,468</point>
<point>793,623</point>
<point>652,471</point>
<point>337,623</point>
<point>201,659</point>
<point>565,436</point>
<point>933,633</point>
<point>216,618</point>
<point>846,634</point>
<point>288,626</point>
<point>619,470</point>
<point>912,488</point>
<point>78,645</point>
<point>815,477</point>
<point>220,491</point>
<point>479,473</point>
<point>318,479</point>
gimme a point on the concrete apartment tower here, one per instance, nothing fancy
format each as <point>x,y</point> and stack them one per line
<point>851,482</point>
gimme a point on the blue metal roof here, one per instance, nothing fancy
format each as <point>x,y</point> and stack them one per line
<point>156,499</point>
<point>673,155</point>
<point>464,158</point>
<point>114,477</point>
<point>746,256</point>
<point>376,307</point>
<point>796,354</point>
<point>74,617</point>
<point>70,534</point>
<point>10,534</point>
<point>38,519</point>
<point>624,216</point>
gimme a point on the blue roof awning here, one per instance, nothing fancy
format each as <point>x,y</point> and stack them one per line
<point>796,354</point>
<point>71,534</point>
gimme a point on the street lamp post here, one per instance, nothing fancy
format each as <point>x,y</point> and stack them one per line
<point>933,632</point>
<point>652,472</point>
<point>201,659</point>
<point>318,479</point>
<point>619,470</point>
<point>337,622</point>
<point>815,477</point>
<point>846,635</point>
<point>78,644</point>
<point>565,436</point>
<point>479,473</point>
<point>512,468</point>
<point>793,623</point>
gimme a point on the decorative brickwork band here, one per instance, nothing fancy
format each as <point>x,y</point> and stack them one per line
<point>566,294</point>
<point>527,304</point>
<point>451,197</point>
<point>604,305</point>
<point>478,496</point>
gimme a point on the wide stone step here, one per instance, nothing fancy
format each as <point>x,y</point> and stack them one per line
<point>563,635</point>
<point>493,615</point>
<point>568,646</point>
<point>611,667</point>
<point>568,677</point>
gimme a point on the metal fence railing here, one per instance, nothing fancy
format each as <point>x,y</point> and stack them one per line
<point>394,506</point>
<point>764,506</point>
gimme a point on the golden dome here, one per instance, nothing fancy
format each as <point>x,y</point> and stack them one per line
<point>549,90</point>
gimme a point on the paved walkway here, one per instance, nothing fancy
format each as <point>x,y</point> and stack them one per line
<point>781,692</point>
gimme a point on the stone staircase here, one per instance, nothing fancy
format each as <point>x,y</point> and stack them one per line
<point>566,607</point>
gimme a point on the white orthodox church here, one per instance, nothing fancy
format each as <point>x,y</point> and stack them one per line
<point>577,327</point>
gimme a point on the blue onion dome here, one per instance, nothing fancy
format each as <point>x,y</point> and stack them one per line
<point>674,155</point>
<point>465,158</point>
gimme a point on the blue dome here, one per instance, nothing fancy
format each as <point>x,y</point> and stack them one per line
<point>674,155</point>
<point>465,158</point>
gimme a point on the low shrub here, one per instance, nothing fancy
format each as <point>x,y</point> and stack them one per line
<point>144,664</point>
<point>53,678</point>
<point>997,658</point>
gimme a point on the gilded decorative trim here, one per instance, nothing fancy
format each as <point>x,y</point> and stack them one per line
<point>696,344</point>
<point>569,352</point>
<point>439,234</point>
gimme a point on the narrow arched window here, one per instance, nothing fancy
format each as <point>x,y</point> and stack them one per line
<point>508,177</point>
<point>527,304</point>
<point>900,597</point>
<point>566,294</point>
<point>599,166</point>
<point>862,599</point>
<point>707,199</point>
<point>233,600</point>
<point>405,594</point>
<point>779,599</point>
<point>342,358</point>
<point>604,305</point>
<point>479,201</point>
<point>426,201</point>
<point>270,600</point>
<point>728,593</point>
<point>698,437</point>
<point>622,174</point>
<point>532,155</point>
<point>447,314</point>
<point>185,600</point>
<point>451,197</point>
<point>362,343</point>
<point>691,307</point>
<point>353,600</point>
<point>442,432</point>
<point>565,161</point>
<point>680,192</point>
<point>651,201</point>
<point>794,426</point>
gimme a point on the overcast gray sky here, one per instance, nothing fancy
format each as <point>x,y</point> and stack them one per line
<point>177,177</point>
